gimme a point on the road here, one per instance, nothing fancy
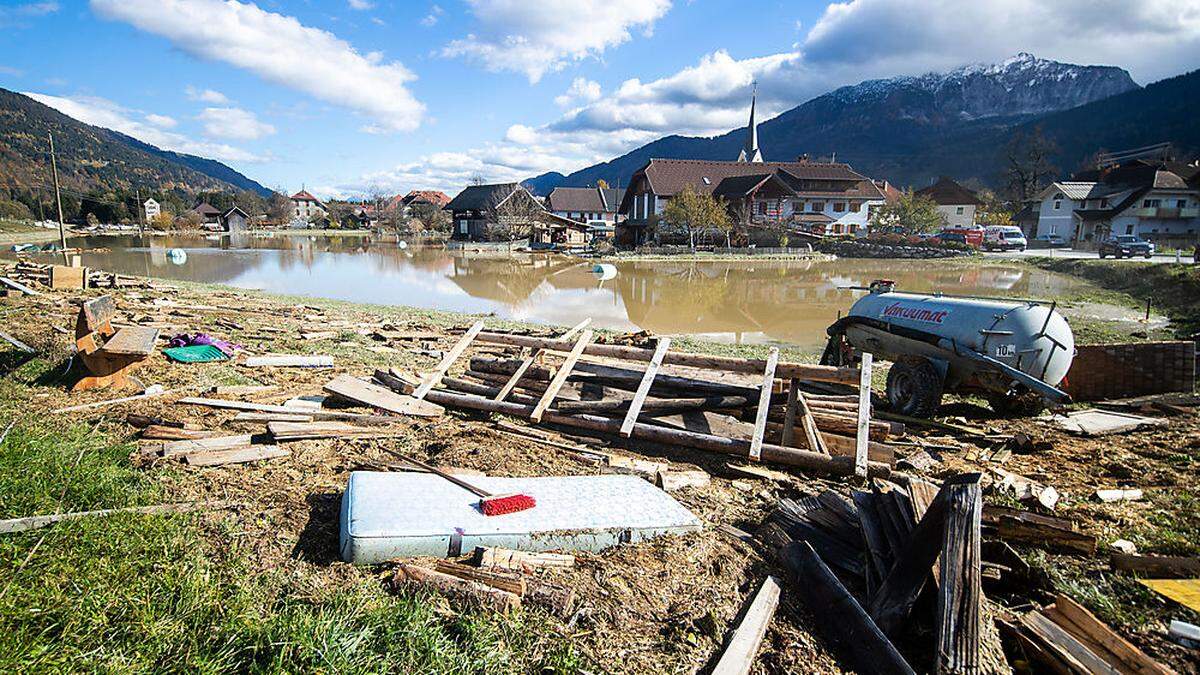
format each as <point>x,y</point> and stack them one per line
<point>1073,254</point>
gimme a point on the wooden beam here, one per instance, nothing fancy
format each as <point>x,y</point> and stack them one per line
<point>560,378</point>
<point>448,360</point>
<point>639,397</point>
<point>809,422</point>
<point>1100,639</point>
<point>17,343</point>
<point>252,453</point>
<point>789,415</point>
<point>1157,566</point>
<point>35,522</point>
<point>864,415</point>
<point>959,592</point>
<point>375,396</point>
<point>534,356</point>
<point>16,285</point>
<point>738,657</point>
<point>861,643</point>
<point>173,448</point>
<point>282,409</point>
<point>764,405</point>
<point>802,371</point>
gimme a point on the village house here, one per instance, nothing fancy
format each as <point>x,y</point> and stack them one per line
<point>1155,200</point>
<point>957,204</point>
<point>216,220</point>
<point>209,214</point>
<point>152,209</point>
<point>504,211</point>
<point>306,207</point>
<point>816,197</point>
<point>586,204</point>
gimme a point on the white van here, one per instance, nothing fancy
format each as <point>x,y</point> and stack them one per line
<point>1003,238</point>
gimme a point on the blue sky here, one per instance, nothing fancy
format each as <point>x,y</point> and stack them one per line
<point>347,96</point>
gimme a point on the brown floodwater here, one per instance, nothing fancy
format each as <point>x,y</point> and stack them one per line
<point>785,301</point>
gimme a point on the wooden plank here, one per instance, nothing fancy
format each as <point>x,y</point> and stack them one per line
<point>560,378</point>
<point>448,360</point>
<point>297,431</point>
<point>738,657</point>
<point>490,556</point>
<point>1065,646</point>
<point>240,389</point>
<point>764,405</point>
<point>513,582</point>
<point>789,415</point>
<point>1101,639</point>
<point>161,432</point>
<point>17,286</point>
<point>866,648</point>
<point>17,343</point>
<point>149,393</point>
<point>132,341</point>
<point>172,448</point>
<point>812,433</point>
<point>65,277</point>
<point>1157,566</point>
<point>253,453</point>
<point>533,356</point>
<point>802,371</point>
<point>289,361</point>
<point>864,415</point>
<point>639,397</point>
<point>370,394</point>
<point>959,589</point>
<point>266,408</point>
<point>271,417</point>
<point>35,522</point>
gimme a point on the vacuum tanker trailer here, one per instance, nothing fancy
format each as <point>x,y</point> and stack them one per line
<point>1015,353</point>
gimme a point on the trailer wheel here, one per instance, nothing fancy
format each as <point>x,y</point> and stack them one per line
<point>1026,404</point>
<point>914,388</point>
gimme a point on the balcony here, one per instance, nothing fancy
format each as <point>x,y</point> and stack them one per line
<point>1164,213</point>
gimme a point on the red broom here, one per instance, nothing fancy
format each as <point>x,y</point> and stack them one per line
<point>490,504</point>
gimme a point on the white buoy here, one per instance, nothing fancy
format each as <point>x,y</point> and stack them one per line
<point>604,271</point>
<point>177,256</point>
<point>403,244</point>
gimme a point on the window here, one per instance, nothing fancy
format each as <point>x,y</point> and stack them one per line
<point>1181,204</point>
<point>762,208</point>
<point>959,211</point>
<point>1057,204</point>
<point>1150,203</point>
<point>839,207</point>
<point>855,206</point>
<point>816,207</point>
<point>1129,229</point>
<point>462,227</point>
<point>1104,203</point>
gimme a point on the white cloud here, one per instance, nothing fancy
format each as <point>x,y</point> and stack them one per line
<point>234,123</point>
<point>361,5</point>
<point>16,15</point>
<point>205,95</point>
<point>9,70</point>
<point>280,49</point>
<point>104,113</point>
<point>582,90</point>
<point>431,19</point>
<point>161,121</point>
<point>533,38</point>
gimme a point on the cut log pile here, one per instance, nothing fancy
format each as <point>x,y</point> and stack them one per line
<point>501,579</point>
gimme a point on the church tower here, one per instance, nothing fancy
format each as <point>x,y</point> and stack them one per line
<point>750,151</point>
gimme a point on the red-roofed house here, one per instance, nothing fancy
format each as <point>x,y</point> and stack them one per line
<point>306,207</point>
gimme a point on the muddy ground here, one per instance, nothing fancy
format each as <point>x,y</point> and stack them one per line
<point>661,606</point>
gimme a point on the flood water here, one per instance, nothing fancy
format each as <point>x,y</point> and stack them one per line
<point>737,301</point>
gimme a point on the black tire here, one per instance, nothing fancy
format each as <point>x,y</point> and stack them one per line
<point>1102,255</point>
<point>1027,404</point>
<point>914,388</point>
<point>1149,255</point>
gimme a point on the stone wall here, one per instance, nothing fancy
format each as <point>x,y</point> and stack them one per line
<point>1134,369</point>
<point>849,248</point>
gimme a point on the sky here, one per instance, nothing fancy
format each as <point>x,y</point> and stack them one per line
<point>353,97</point>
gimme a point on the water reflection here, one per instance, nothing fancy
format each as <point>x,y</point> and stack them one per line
<point>787,301</point>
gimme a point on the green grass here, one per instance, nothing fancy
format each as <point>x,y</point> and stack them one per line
<point>132,593</point>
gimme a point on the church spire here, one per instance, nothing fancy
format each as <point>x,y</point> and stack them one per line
<point>750,151</point>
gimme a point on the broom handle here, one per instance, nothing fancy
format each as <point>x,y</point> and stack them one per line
<point>453,479</point>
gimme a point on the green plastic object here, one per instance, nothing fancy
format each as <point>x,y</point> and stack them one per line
<point>195,354</point>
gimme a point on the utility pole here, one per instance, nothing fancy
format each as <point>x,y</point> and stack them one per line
<point>138,205</point>
<point>62,231</point>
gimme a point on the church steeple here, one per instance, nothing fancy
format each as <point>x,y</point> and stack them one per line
<point>750,151</point>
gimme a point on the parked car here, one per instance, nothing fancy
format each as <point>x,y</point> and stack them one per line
<point>1004,238</point>
<point>1050,241</point>
<point>956,237</point>
<point>1126,246</point>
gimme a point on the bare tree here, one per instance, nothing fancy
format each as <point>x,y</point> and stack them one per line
<point>514,212</point>
<point>1028,166</point>
<point>476,179</point>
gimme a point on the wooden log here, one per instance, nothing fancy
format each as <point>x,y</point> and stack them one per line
<point>639,397</point>
<point>671,481</point>
<point>265,408</point>
<point>528,361</point>
<point>841,445</point>
<point>743,645</point>
<point>491,556</point>
<point>864,415</point>
<point>513,582</point>
<point>448,360</point>
<point>560,378</point>
<point>1023,527</point>
<point>375,396</point>
<point>789,416</point>
<point>861,644</point>
<point>1157,566</point>
<point>35,522</point>
<point>774,453</point>
<point>785,369</point>
<point>507,367</point>
<point>959,590</point>
<point>253,453</point>
<point>656,406</point>
<point>764,406</point>
<point>463,589</point>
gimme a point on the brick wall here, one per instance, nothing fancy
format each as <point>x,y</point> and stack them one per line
<point>1135,369</point>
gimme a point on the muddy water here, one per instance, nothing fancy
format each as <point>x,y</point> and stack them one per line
<point>755,301</point>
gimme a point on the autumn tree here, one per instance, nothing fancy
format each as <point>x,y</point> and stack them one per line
<point>279,207</point>
<point>694,211</point>
<point>430,217</point>
<point>911,212</point>
<point>1028,166</point>
<point>993,210</point>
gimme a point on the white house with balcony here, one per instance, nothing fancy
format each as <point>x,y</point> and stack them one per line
<point>1159,202</point>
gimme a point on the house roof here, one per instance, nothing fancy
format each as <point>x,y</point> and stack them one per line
<point>239,210</point>
<point>740,186</point>
<point>948,192</point>
<point>1072,189</point>
<point>584,199</point>
<point>435,197</point>
<point>1094,215</point>
<point>304,196</point>
<point>480,197</point>
<point>206,209</point>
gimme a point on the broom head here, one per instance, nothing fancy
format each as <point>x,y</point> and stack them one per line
<point>498,505</point>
